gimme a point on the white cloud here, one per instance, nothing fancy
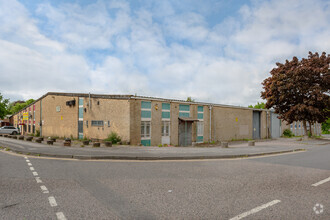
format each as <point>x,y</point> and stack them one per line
<point>114,77</point>
<point>88,27</point>
<point>189,26</point>
<point>154,52</point>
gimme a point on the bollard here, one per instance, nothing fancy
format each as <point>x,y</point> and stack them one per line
<point>39,140</point>
<point>108,144</point>
<point>28,138</point>
<point>96,144</point>
<point>21,138</point>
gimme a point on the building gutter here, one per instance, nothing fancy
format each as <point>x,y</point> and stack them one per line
<point>210,135</point>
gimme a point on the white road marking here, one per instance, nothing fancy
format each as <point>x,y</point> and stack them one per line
<point>60,216</point>
<point>170,191</point>
<point>32,168</point>
<point>321,182</point>
<point>35,173</point>
<point>44,189</point>
<point>38,180</point>
<point>29,164</point>
<point>25,157</point>
<point>28,161</point>
<point>255,210</point>
<point>52,201</point>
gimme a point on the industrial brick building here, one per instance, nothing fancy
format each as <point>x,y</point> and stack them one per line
<point>144,120</point>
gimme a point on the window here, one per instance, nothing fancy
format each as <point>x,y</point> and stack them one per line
<point>166,111</point>
<point>97,123</point>
<point>165,128</point>
<point>29,128</point>
<point>184,111</point>
<point>200,112</point>
<point>145,109</point>
<point>145,129</point>
<point>200,128</point>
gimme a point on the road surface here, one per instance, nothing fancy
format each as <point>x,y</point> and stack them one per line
<point>288,186</point>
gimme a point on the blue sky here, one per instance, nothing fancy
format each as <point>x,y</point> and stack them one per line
<point>213,51</point>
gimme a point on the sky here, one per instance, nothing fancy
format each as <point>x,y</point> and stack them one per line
<point>213,51</point>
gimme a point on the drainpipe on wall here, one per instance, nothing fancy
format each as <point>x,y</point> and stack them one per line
<point>210,135</point>
<point>40,118</point>
<point>89,101</point>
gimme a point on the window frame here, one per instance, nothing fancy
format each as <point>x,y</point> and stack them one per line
<point>97,123</point>
<point>144,134</point>
<point>164,130</point>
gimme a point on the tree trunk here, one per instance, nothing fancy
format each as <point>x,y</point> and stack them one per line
<point>305,128</point>
<point>310,128</point>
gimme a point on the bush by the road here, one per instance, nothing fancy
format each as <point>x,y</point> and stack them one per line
<point>287,133</point>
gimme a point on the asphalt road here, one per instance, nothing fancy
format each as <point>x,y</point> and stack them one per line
<point>273,187</point>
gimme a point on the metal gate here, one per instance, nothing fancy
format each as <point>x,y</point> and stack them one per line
<point>185,135</point>
<point>275,125</point>
<point>256,125</point>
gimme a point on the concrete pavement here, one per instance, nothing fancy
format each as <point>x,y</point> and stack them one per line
<point>160,153</point>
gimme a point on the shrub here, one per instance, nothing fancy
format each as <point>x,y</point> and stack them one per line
<point>37,133</point>
<point>113,137</point>
<point>160,145</point>
<point>287,133</point>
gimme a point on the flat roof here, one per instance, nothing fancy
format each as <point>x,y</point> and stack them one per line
<point>127,97</point>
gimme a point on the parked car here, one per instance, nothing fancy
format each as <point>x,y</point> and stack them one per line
<point>9,130</point>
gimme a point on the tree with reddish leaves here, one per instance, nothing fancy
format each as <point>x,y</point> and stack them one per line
<point>298,90</point>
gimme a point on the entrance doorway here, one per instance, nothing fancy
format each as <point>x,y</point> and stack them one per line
<point>166,132</point>
<point>185,131</point>
<point>256,125</point>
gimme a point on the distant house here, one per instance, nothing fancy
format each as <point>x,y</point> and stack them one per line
<point>6,121</point>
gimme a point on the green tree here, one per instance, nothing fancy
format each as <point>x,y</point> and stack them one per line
<point>258,105</point>
<point>3,106</point>
<point>19,106</point>
<point>326,127</point>
<point>298,90</point>
<point>189,99</point>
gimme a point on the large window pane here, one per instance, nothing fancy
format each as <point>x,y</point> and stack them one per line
<point>147,129</point>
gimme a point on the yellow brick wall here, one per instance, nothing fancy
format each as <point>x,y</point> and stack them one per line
<point>193,114</point>
<point>63,123</point>
<point>231,123</point>
<point>37,115</point>
<point>263,124</point>
<point>156,123</point>
<point>116,111</point>
<point>174,124</point>
<point>135,121</point>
